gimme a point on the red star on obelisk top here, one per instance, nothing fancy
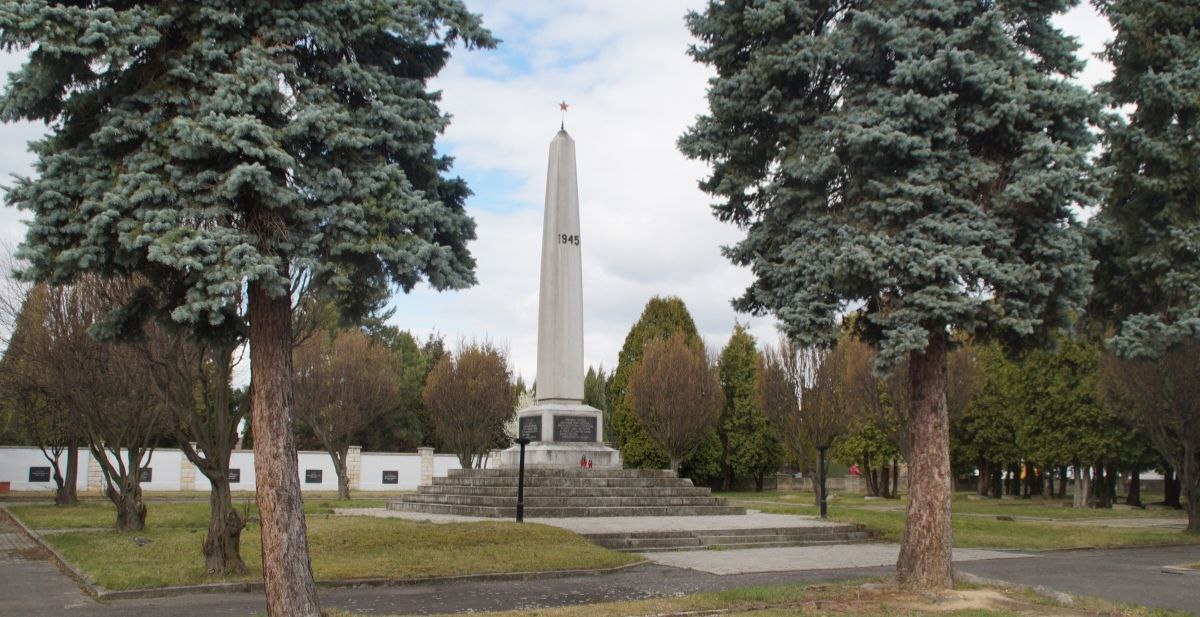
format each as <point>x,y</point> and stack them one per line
<point>563,108</point>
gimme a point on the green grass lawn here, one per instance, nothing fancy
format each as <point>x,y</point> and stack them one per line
<point>187,515</point>
<point>342,547</point>
<point>974,522</point>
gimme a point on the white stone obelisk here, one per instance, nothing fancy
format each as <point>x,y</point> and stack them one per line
<point>563,431</point>
<point>560,301</point>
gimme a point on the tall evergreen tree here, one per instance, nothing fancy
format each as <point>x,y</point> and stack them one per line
<point>750,444</point>
<point>1148,279</point>
<point>661,318</point>
<point>595,393</point>
<point>227,149</point>
<point>916,159</point>
<point>407,426</point>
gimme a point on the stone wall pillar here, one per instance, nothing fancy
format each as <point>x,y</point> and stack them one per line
<point>426,465</point>
<point>95,476</point>
<point>354,467</point>
<point>187,472</point>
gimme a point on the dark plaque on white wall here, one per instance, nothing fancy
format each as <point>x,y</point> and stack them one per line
<point>235,476</point>
<point>575,428</point>
<point>39,474</point>
<point>312,476</point>
<point>147,474</point>
<point>391,477</point>
<point>530,428</point>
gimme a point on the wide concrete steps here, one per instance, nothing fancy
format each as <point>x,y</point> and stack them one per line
<point>553,493</point>
<point>725,539</point>
<point>564,501</point>
<point>532,492</point>
<point>557,512</point>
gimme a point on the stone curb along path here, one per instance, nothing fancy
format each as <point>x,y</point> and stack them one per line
<point>98,591</point>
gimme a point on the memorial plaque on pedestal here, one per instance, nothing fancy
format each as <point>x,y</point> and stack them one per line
<point>530,428</point>
<point>575,428</point>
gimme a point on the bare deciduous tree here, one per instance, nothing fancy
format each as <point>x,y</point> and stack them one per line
<point>676,394</point>
<point>470,397</point>
<point>26,392</point>
<point>342,383</point>
<point>803,393</point>
<point>193,381</point>
<point>107,389</point>
<point>1162,398</point>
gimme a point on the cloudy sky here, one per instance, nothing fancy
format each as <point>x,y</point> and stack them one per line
<point>646,227</point>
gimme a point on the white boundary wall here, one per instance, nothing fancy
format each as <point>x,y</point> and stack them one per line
<point>171,471</point>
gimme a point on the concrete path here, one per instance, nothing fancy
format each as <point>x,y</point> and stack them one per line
<point>612,524</point>
<point>1132,575</point>
<point>793,558</point>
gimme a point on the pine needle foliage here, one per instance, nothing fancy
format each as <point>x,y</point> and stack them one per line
<point>210,144</point>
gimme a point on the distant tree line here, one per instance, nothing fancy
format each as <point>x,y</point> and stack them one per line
<point>1019,420</point>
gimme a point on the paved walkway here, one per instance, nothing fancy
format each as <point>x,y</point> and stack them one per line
<point>794,558</point>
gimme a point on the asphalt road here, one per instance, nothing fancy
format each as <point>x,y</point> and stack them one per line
<point>35,587</point>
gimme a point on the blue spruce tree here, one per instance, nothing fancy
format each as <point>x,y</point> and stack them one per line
<point>911,161</point>
<point>223,151</point>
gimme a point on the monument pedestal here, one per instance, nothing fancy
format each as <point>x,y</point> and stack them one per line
<point>561,434</point>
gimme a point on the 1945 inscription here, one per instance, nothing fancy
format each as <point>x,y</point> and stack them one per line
<point>574,428</point>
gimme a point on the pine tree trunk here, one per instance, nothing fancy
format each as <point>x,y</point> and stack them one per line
<point>1110,485</point>
<point>287,571</point>
<point>1062,482</point>
<point>924,562</point>
<point>758,482</point>
<point>895,479</point>
<point>997,480</point>
<point>1082,484</point>
<point>222,545</point>
<point>1189,480</point>
<point>982,488</point>
<point>885,481</point>
<point>1100,487</point>
<point>1171,489</point>
<point>1134,498</point>
<point>869,475</point>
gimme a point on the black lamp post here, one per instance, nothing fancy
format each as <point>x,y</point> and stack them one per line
<point>824,509</point>
<point>524,441</point>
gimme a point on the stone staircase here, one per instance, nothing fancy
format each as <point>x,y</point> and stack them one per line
<point>723,539</point>
<point>555,492</point>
